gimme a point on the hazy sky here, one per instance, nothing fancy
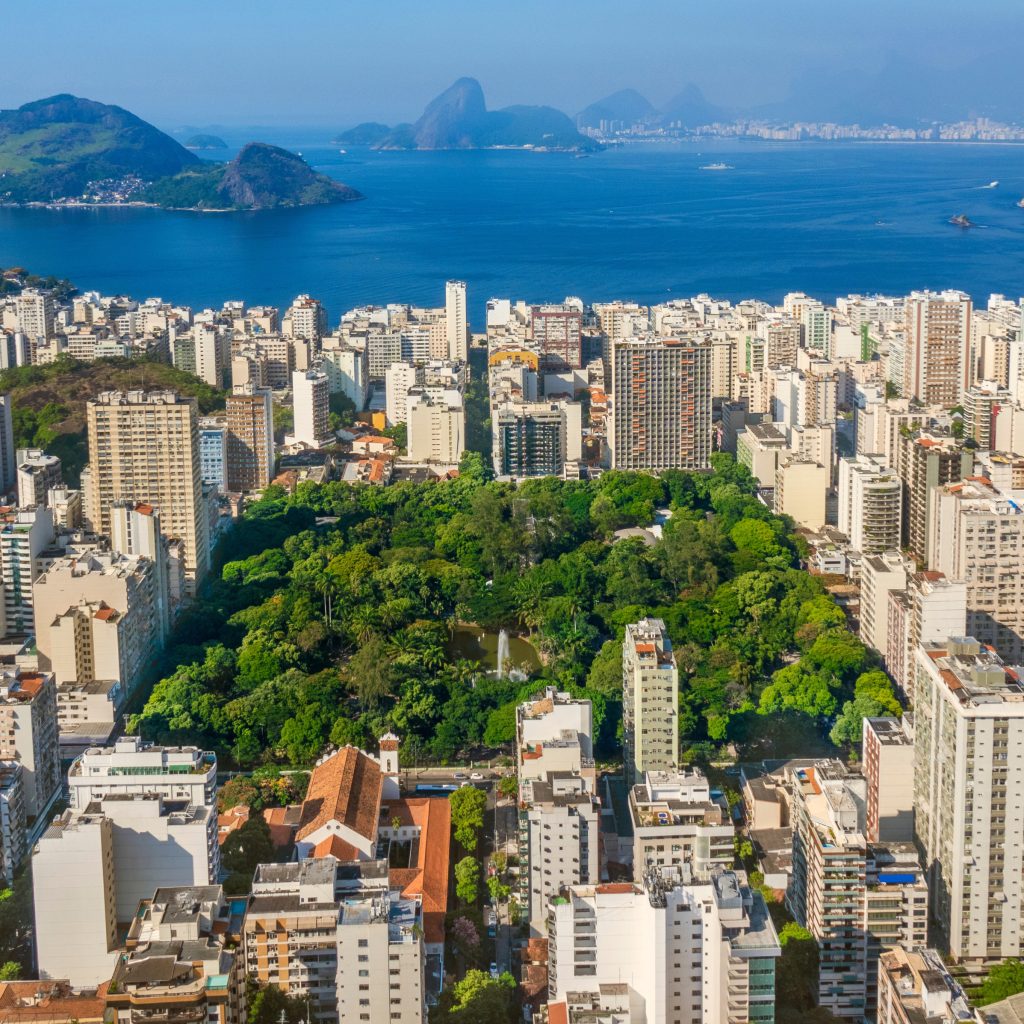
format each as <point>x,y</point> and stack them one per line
<point>336,62</point>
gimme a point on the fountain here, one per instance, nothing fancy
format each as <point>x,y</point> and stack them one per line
<point>502,652</point>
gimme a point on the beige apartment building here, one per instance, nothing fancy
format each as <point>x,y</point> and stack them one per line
<point>977,536</point>
<point>937,330</point>
<point>801,486</point>
<point>98,617</point>
<point>250,454</point>
<point>661,404</point>
<point>28,734</point>
<point>144,447</point>
<point>968,792</point>
<point>650,700</point>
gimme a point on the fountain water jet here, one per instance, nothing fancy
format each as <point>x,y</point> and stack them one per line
<point>502,652</point>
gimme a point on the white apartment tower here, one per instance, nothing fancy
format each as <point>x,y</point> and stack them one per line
<point>650,700</point>
<point>311,397</point>
<point>969,795</point>
<point>144,447</point>
<point>456,322</point>
<point>75,900</point>
<point>695,953</point>
<point>870,504</point>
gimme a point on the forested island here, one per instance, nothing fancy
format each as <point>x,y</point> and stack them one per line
<point>330,619</point>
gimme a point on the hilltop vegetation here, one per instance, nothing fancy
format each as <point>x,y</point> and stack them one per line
<point>49,401</point>
<point>261,177</point>
<point>309,635</point>
<point>54,148</point>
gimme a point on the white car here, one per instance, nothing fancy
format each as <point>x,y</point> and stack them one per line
<point>476,776</point>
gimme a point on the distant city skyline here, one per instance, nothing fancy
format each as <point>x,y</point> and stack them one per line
<point>261,63</point>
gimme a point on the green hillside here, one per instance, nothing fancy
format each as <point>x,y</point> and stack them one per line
<point>49,401</point>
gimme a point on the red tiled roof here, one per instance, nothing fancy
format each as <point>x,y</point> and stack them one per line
<point>336,847</point>
<point>558,1013</point>
<point>429,878</point>
<point>281,832</point>
<point>344,787</point>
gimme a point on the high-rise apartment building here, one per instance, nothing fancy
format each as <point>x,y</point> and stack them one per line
<point>13,821</point>
<point>311,397</point>
<point>855,898</point>
<point>977,536</point>
<point>888,757</point>
<point>557,336</point>
<point>969,795</point>
<point>456,320</point>
<point>985,406</point>
<point>37,473</point>
<point>8,479</point>
<point>925,460</point>
<point>681,952</point>
<point>678,824</point>
<point>250,461</point>
<point>880,575</point>
<point>650,700</point>
<point>870,504</point>
<point>29,735</point>
<point>560,827</point>
<point>24,535</point>
<point>937,330</point>
<point>535,438</point>
<point>144,447</point>
<point>99,611</point>
<point>661,405</point>
<point>305,319</point>
<point>436,426</point>
<point>75,900</point>
<point>801,487</point>
<point>213,452</point>
<point>35,313</point>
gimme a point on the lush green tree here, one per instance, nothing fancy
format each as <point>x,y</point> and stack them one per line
<point>501,725</point>
<point>873,697</point>
<point>1001,982</point>
<point>267,1004</point>
<point>498,890</point>
<point>508,786</point>
<point>238,790</point>
<point>467,807</point>
<point>10,970</point>
<point>796,688</point>
<point>478,999</point>
<point>243,850</point>
<point>467,880</point>
<point>796,971</point>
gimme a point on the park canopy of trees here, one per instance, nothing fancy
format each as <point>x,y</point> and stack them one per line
<point>336,633</point>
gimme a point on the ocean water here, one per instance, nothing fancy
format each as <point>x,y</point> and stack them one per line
<point>643,223</point>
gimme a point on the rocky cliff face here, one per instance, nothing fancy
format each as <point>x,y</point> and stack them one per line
<point>459,119</point>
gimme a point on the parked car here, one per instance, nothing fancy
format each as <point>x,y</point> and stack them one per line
<point>476,776</point>
<point>459,775</point>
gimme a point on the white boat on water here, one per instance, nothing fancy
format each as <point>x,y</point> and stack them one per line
<point>717,167</point>
<point>991,184</point>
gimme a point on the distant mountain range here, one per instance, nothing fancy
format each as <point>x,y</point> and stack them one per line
<point>902,92</point>
<point>459,119</point>
<point>53,148</point>
<point>689,108</point>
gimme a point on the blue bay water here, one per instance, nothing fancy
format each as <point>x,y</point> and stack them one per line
<point>637,223</point>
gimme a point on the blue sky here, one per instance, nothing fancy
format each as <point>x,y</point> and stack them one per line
<point>336,62</point>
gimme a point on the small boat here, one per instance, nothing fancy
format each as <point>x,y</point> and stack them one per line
<point>717,167</point>
<point>343,152</point>
<point>961,220</point>
<point>991,184</point>
<point>1020,203</point>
